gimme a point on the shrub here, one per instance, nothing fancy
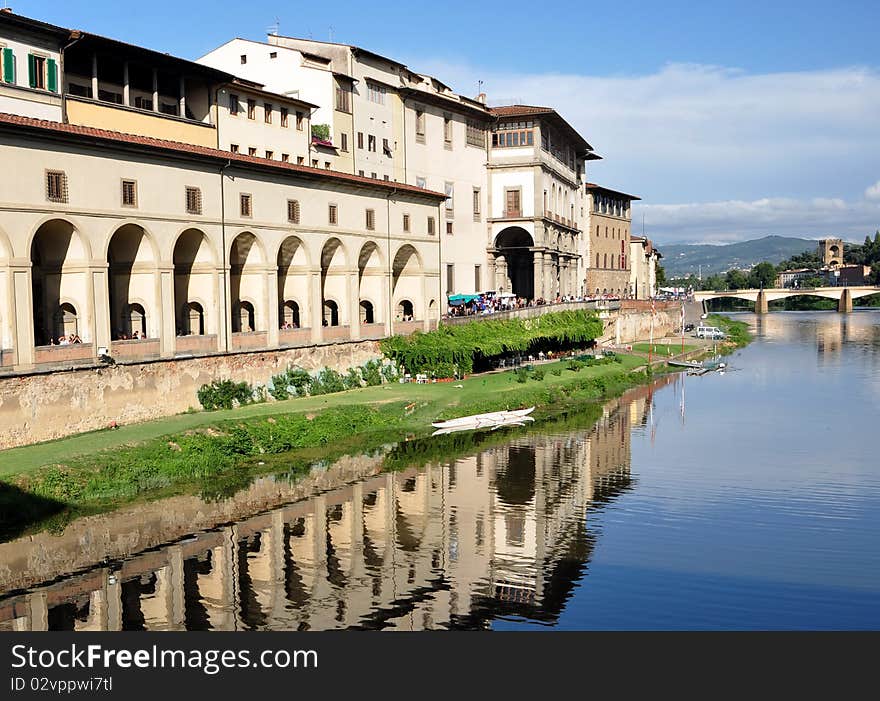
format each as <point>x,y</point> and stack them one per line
<point>557,371</point>
<point>292,382</point>
<point>521,375</point>
<point>444,370</point>
<point>574,365</point>
<point>538,374</point>
<point>352,379</point>
<point>372,373</point>
<point>224,394</point>
<point>390,372</point>
<point>327,381</point>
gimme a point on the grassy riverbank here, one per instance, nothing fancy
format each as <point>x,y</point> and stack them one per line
<point>219,451</point>
<point>737,331</point>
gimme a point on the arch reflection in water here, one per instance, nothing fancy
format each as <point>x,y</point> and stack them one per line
<point>504,532</point>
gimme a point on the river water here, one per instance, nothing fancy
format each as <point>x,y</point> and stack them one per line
<point>743,500</point>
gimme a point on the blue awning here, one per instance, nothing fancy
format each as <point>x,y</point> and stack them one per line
<point>456,300</point>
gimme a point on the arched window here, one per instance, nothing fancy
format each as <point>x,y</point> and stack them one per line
<point>289,315</point>
<point>331,313</point>
<point>246,317</point>
<point>605,260</point>
<point>195,317</point>
<point>366,312</point>
<point>66,321</point>
<point>405,310</point>
<point>137,321</point>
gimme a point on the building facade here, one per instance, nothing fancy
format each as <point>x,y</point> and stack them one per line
<point>608,242</point>
<point>643,268</point>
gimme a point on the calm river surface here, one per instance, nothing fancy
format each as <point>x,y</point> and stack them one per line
<point>743,500</point>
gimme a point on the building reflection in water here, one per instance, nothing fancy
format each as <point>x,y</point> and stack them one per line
<point>505,532</point>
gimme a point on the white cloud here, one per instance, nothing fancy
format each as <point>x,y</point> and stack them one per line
<point>791,151</point>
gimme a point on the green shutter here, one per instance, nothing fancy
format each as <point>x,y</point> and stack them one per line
<point>32,71</point>
<point>8,66</point>
<point>52,75</point>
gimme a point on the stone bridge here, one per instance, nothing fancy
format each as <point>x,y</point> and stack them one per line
<point>763,297</point>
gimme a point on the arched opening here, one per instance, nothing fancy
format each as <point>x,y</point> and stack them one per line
<point>55,250</point>
<point>131,266</point>
<point>66,323</point>
<point>514,254</point>
<point>136,316</point>
<point>194,318</point>
<point>193,279</point>
<point>246,280</point>
<point>407,282</point>
<point>331,313</point>
<point>293,282</point>
<point>366,312</point>
<point>371,279</point>
<point>244,316</point>
<point>404,310</point>
<point>289,316</point>
<point>333,282</point>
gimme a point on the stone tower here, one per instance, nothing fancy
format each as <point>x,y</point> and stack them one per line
<point>831,252</point>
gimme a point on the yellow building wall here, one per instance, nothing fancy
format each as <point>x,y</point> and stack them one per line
<point>90,114</point>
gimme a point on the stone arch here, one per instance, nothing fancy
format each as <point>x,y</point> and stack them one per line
<point>405,310</point>
<point>371,282</point>
<point>247,282</point>
<point>194,281</point>
<point>59,272</point>
<point>334,285</point>
<point>293,282</point>
<point>132,258</point>
<point>330,312</point>
<point>516,262</point>
<point>407,278</point>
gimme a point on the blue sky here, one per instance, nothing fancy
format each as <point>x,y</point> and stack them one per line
<point>730,119</point>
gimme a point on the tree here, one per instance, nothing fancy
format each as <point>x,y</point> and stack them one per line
<point>660,275</point>
<point>321,131</point>
<point>762,275</point>
<point>737,279</point>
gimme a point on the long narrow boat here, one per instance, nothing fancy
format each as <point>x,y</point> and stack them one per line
<point>487,419</point>
<point>684,364</point>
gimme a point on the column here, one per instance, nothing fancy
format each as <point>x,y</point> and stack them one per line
<point>176,605</point>
<point>316,305</point>
<point>113,589</point>
<point>272,310</point>
<point>490,271</point>
<point>426,321</point>
<point>549,277</point>
<point>38,611</point>
<point>319,547</point>
<point>94,76</point>
<point>100,308</point>
<point>182,91</point>
<point>354,304</point>
<point>761,306</point>
<point>357,530</point>
<point>845,305</point>
<point>387,300</point>
<point>538,263</point>
<point>167,313</point>
<point>21,305</point>
<point>155,90</point>
<point>126,89</point>
<point>222,310</point>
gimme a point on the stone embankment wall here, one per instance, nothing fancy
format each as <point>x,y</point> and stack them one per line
<point>630,325</point>
<point>44,406</point>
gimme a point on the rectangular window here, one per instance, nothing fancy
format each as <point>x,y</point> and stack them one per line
<point>371,143</point>
<point>56,186</point>
<point>343,99</point>
<point>361,173</point>
<point>373,175</point>
<point>450,278</point>
<point>299,121</point>
<point>360,139</point>
<point>343,142</point>
<point>420,126</point>
<point>476,204</point>
<point>386,148</point>
<point>476,136</point>
<point>314,163</point>
<point>386,177</point>
<point>284,117</point>
<point>285,157</point>
<point>267,113</point>
<point>477,282</point>
<point>371,219</point>
<point>8,59</point>
<point>245,205</point>
<point>293,211</point>
<point>37,72</point>
<point>332,214</point>
<point>270,154</point>
<point>376,93</point>
<point>252,150</point>
<point>430,226</point>
<point>327,165</point>
<point>447,131</point>
<point>243,59</point>
<point>450,200</point>
<point>252,109</point>
<point>300,160</point>
<point>193,200</point>
<point>422,183</point>
<point>273,54</point>
<point>406,223</point>
<point>233,105</point>
<point>233,148</point>
<point>449,228</point>
<point>512,204</point>
<point>129,193</point>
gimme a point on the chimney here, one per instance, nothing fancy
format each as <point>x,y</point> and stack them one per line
<point>481,98</point>
<point>6,9</point>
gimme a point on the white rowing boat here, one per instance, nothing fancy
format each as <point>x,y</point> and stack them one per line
<point>488,419</point>
<point>494,424</point>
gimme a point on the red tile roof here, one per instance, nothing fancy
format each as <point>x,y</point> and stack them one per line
<point>204,151</point>
<point>519,110</point>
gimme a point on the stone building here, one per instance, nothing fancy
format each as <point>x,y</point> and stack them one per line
<point>607,243</point>
<point>643,268</point>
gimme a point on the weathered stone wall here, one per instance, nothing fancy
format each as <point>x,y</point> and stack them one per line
<point>40,407</point>
<point>628,327</point>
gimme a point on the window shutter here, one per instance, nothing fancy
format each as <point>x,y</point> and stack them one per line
<point>32,71</point>
<point>8,66</point>
<point>52,75</point>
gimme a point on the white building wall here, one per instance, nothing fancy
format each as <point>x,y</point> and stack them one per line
<point>18,97</point>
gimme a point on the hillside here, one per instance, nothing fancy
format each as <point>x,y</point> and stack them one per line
<point>680,260</point>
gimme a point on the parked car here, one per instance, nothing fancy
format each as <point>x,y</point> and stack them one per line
<point>688,328</point>
<point>709,332</point>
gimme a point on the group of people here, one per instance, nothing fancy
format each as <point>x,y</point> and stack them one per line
<point>67,340</point>
<point>490,303</point>
<point>136,335</point>
<point>290,325</point>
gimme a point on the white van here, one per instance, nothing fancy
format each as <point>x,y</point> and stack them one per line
<point>709,332</point>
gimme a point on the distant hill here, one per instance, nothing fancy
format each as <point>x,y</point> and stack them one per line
<point>680,260</point>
